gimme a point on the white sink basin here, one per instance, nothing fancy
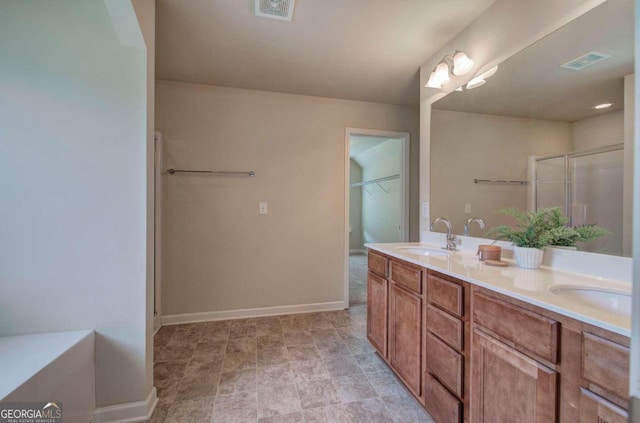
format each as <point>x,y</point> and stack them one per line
<point>612,300</point>
<point>424,251</point>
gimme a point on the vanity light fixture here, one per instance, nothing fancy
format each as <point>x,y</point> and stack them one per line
<point>439,76</point>
<point>460,65</point>
<point>482,78</point>
<point>603,106</point>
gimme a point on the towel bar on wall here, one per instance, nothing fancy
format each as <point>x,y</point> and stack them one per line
<point>213,172</point>
<point>499,181</point>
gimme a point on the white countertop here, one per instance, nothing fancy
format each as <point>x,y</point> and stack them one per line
<point>528,285</point>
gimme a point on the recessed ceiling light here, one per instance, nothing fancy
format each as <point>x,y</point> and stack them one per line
<point>603,106</point>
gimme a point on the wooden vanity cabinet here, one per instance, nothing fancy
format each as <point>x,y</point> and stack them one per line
<point>377,312</point>
<point>605,375</point>
<point>405,349</point>
<point>469,354</point>
<point>533,365</point>
<point>405,324</point>
<point>508,384</point>
<point>395,315</point>
<point>378,302</point>
<point>446,348</point>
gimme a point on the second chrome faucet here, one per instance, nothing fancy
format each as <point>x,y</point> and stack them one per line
<point>479,221</point>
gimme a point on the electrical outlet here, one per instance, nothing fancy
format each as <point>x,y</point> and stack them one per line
<point>263,207</point>
<point>467,208</point>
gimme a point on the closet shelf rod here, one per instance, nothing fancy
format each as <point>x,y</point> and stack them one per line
<point>374,181</point>
<point>499,181</point>
<point>213,172</point>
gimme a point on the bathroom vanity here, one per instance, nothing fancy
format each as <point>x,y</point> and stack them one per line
<point>475,343</point>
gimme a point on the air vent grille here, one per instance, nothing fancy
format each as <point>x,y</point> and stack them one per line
<point>276,9</point>
<point>585,60</point>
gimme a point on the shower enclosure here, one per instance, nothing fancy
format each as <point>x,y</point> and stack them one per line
<point>588,186</point>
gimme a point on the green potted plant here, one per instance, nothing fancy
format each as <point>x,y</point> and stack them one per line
<point>535,230</point>
<point>570,239</point>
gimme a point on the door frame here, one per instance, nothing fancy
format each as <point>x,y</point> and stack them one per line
<point>405,139</point>
<point>157,230</point>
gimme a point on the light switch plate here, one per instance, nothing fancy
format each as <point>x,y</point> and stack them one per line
<point>467,208</point>
<point>425,210</point>
<point>263,207</point>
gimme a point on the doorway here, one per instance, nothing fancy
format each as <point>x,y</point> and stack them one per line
<point>376,200</point>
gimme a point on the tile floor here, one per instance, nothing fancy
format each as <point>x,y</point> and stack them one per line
<point>315,367</point>
<point>357,279</point>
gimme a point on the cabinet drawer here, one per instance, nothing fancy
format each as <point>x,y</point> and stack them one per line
<point>594,409</point>
<point>446,327</point>
<point>528,330</point>
<point>407,277</point>
<point>378,264</point>
<point>443,407</point>
<point>446,294</point>
<point>445,363</point>
<point>606,364</point>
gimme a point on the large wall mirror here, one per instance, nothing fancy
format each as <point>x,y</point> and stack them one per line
<point>531,135</point>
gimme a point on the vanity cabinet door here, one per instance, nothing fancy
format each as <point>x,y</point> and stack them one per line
<point>405,341</point>
<point>377,302</point>
<point>507,386</point>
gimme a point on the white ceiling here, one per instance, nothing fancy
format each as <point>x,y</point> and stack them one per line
<point>532,84</point>
<point>368,50</point>
<point>358,144</point>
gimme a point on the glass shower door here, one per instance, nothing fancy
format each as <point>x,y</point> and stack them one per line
<point>596,194</point>
<point>588,186</point>
<point>551,183</point>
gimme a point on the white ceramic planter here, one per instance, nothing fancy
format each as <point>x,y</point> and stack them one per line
<point>528,258</point>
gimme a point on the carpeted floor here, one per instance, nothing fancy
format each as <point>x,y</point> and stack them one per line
<point>357,279</point>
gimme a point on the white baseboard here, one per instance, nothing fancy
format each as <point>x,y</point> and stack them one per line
<point>356,251</point>
<point>177,319</point>
<point>139,411</point>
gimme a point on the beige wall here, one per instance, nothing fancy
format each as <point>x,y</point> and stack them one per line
<point>599,131</point>
<point>466,146</point>
<point>355,207</point>
<point>219,254</point>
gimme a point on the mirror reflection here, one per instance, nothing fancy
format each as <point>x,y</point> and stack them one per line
<point>549,128</point>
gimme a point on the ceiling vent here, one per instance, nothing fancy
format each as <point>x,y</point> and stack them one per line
<point>585,60</point>
<point>276,9</point>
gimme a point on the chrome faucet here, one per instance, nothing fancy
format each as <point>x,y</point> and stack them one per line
<point>473,219</point>
<point>451,239</point>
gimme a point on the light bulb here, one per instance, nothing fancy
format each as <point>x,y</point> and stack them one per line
<point>439,76</point>
<point>442,73</point>
<point>432,83</point>
<point>461,63</point>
